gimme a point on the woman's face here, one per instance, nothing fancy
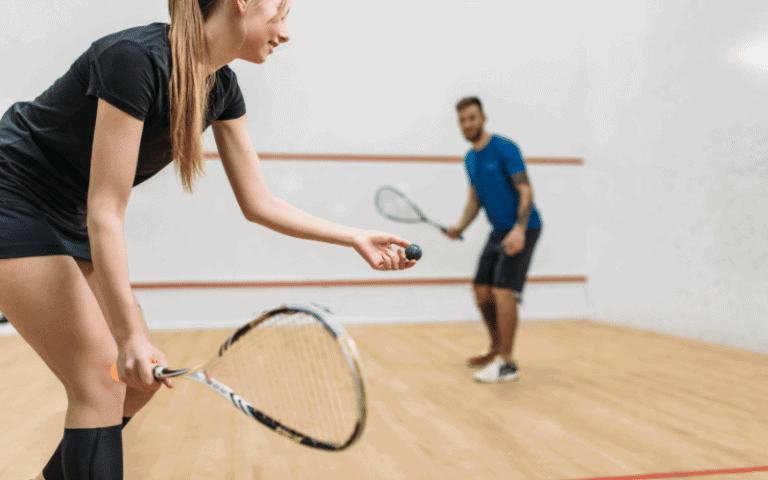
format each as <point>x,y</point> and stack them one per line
<point>265,29</point>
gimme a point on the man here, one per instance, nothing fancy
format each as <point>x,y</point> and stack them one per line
<point>499,184</point>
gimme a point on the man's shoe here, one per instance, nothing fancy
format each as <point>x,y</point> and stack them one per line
<point>497,371</point>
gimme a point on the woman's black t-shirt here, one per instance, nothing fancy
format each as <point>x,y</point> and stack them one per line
<point>45,145</point>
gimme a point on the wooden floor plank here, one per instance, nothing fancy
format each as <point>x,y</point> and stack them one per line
<point>593,400</point>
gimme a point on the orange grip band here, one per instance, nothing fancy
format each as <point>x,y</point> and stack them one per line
<point>113,371</point>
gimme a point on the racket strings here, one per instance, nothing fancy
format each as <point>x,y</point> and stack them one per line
<point>392,204</point>
<point>292,369</point>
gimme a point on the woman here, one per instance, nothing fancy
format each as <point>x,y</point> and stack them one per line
<point>129,105</point>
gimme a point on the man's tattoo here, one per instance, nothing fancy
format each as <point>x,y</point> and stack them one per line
<point>526,207</point>
<point>524,214</point>
<point>520,178</point>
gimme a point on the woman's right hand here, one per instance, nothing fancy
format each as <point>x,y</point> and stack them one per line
<point>136,359</point>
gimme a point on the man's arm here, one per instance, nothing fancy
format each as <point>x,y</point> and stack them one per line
<point>471,209</point>
<point>515,239</point>
<point>525,205</point>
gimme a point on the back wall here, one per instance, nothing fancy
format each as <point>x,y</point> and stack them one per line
<point>665,102</point>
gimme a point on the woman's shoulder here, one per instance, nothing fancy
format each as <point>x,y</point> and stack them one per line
<point>149,39</point>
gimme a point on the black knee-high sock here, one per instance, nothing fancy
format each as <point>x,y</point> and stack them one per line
<point>125,422</point>
<point>92,453</point>
<point>54,470</point>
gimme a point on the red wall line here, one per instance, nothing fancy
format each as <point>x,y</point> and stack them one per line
<point>395,158</point>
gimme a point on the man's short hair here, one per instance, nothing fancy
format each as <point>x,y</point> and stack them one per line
<point>467,102</point>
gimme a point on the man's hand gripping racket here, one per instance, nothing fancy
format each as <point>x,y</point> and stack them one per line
<point>293,369</point>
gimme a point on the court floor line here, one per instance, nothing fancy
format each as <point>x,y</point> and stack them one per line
<point>699,473</point>
<point>341,283</point>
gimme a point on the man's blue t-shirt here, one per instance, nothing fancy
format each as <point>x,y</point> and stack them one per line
<point>489,171</point>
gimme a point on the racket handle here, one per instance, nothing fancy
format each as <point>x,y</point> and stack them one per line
<point>445,230</point>
<point>159,372</point>
<point>115,377</point>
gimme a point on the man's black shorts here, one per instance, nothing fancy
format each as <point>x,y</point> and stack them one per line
<point>498,269</point>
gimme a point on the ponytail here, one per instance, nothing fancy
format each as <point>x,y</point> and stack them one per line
<point>188,89</point>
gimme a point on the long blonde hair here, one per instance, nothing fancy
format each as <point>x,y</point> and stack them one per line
<point>189,88</point>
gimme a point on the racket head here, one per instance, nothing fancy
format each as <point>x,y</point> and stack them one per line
<point>297,371</point>
<point>393,204</point>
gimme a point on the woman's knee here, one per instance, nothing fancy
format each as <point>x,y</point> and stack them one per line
<point>135,400</point>
<point>95,399</point>
<point>94,388</point>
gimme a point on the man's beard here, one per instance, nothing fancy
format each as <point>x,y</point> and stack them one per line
<point>475,137</point>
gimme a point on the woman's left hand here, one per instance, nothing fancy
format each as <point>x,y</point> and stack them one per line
<point>376,248</point>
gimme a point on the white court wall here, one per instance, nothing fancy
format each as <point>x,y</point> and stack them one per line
<point>177,237</point>
<point>204,238</point>
<point>655,96</point>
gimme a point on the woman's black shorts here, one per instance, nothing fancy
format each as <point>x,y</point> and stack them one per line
<point>27,230</point>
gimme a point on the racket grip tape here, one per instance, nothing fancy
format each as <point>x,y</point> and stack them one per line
<point>116,377</point>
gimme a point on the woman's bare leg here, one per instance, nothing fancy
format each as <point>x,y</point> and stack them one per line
<point>52,306</point>
<point>134,399</point>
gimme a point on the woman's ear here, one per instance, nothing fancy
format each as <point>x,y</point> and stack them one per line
<point>241,5</point>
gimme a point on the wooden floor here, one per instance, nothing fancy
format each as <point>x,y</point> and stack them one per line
<point>593,400</point>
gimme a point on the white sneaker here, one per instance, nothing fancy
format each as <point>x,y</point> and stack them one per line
<point>497,371</point>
